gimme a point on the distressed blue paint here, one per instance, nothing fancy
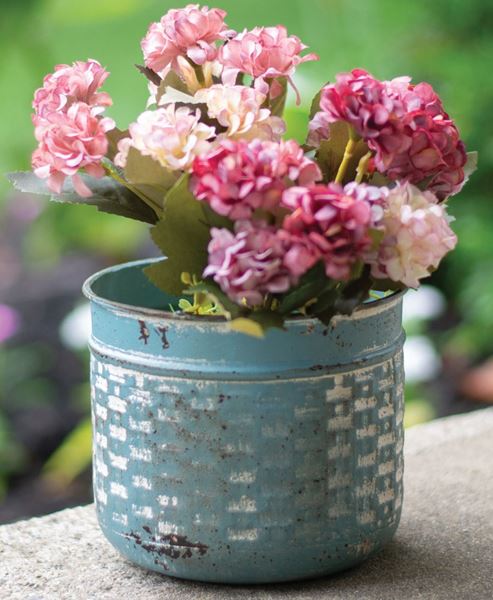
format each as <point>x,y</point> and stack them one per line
<point>220,457</point>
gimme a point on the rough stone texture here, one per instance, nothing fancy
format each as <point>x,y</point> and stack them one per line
<point>443,549</point>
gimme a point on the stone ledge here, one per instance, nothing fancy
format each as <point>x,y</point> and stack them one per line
<point>443,549</point>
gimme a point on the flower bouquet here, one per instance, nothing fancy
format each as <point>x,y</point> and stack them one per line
<point>252,226</point>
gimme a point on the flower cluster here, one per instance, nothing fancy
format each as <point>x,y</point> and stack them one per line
<point>263,53</point>
<point>416,236</point>
<point>286,229</point>
<point>172,136</point>
<point>68,125</point>
<point>239,110</point>
<point>190,32</point>
<point>249,263</point>
<point>404,125</point>
<point>238,177</point>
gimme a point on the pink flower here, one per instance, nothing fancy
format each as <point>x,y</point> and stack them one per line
<point>248,263</point>
<point>263,53</point>
<point>68,142</point>
<point>171,136</point>
<point>190,32</point>
<point>416,233</point>
<point>329,223</point>
<point>68,84</point>
<point>239,110</point>
<point>405,126</point>
<point>238,177</point>
<point>434,149</point>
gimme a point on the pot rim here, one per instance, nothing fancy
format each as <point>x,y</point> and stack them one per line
<point>140,311</point>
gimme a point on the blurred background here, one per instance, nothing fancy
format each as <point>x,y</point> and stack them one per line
<point>46,251</point>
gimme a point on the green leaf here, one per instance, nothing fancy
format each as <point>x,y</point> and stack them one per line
<point>147,176</point>
<point>315,105</point>
<point>257,323</point>
<point>277,105</point>
<point>174,81</point>
<point>310,285</point>
<point>247,326</point>
<point>151,75</point>
<point>108,195</point>
<point>182,236</point>
<point>354,293</point>
<point>331,151</point>
<point>113,137</point>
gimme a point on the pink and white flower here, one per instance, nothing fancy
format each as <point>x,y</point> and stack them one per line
<point>69,141</point>
<point>171,136</point>
<point>239,109</point>
<point>416,236</point>
<point>262,53</point>
<point>331,224</point>
<point>238,177</point>
<point>249,263</point>
<point>79,82</point>
<point>190,32</point>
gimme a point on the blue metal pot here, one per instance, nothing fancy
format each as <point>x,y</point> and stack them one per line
<point>220,457</point>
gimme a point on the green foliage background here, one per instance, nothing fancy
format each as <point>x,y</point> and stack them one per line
<point>446,42</point>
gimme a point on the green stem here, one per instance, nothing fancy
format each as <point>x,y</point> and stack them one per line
<point>362,166</point>
<point>348,155</point>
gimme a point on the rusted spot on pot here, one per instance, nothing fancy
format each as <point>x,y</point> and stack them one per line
<point>173,546</point>
<point>162,331</point>
<point>144,332</point>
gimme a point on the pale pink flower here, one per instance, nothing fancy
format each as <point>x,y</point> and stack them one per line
<point>239,110</point>
<point>70,141</point>
<point>171,136</point>
<point>406,127</point>
<point>330,224</point>
<point>263,53</point>
<point>248,263</point>
<point>238,177</point>
<point>191,32</point>
<point>416,236</point>
<point>78,82</point>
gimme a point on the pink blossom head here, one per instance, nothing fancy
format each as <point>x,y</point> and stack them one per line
<point>249,263</point>
<point>263,53</point>
<point>434,151</point>
<point>239,109</point>
<point>70,141</point>
<point>406,127</point>
<point>416,236</point>
<point>331,224</point>
<point>238,177</point>
<point>79,82</point>
<point>191,32</point>
<point>172,136</point>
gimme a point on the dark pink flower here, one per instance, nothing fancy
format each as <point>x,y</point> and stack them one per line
<point>406,127</point>
<point>263,53</point>
<point>190,32</point>
<point>238,177</point>
<point>68,142</point>
<point>249,263</point>
<point>78,82</point>
<point>329,223</point>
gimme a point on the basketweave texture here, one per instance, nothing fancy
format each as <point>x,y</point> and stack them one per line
<point>218,480</point>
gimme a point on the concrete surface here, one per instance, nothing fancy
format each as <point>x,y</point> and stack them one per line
<point>443,549</point>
